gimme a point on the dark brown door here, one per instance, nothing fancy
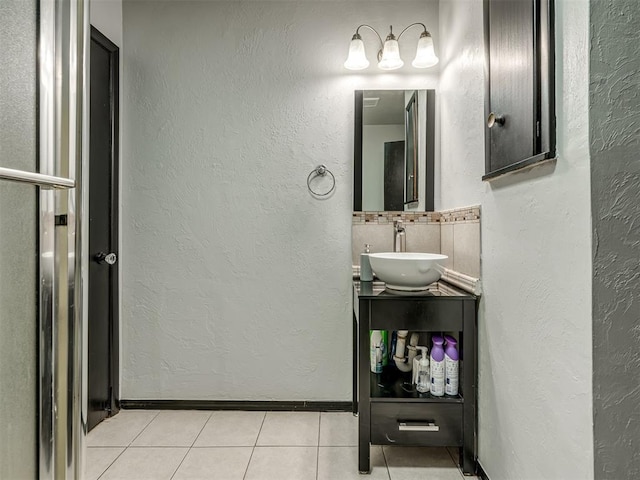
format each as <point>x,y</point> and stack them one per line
<point>394,176</point>
<point>512,89</point>
<point>103,230</point>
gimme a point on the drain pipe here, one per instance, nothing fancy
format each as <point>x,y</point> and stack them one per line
<point>405,365</point>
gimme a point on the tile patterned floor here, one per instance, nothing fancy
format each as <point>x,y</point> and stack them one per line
<point>189,445</point>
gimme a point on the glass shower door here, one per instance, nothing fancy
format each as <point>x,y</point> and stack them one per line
<point>41,151</point>
<point>19,249</point>
<point>18,327</point>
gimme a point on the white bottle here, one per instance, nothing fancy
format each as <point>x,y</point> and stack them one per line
<point>423,383</point>
<point>437,367</point>
<point>451,368</point>
<point>366,275</point>
<point>451,362</point>
<point>416,368</point>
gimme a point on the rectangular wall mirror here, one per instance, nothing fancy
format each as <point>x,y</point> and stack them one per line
<point>394,150</point>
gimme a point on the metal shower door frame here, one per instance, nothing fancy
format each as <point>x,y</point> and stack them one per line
<point>64,34</point>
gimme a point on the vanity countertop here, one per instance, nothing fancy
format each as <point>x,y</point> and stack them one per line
<point>368,290</point>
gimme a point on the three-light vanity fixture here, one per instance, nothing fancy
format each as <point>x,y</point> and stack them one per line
<point>389,53</point>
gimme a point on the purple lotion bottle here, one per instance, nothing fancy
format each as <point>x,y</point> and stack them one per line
<point>451,366</point>
<point>437,366</point>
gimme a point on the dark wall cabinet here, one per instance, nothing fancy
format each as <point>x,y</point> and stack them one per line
<point>520,105</point>
<point>390,410</point>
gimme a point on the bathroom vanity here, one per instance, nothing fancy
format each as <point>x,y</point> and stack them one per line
<point>390,410</point>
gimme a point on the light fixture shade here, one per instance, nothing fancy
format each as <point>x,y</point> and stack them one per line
<point>357,60</point>
<point>390,55</point>
<point>425,54</point>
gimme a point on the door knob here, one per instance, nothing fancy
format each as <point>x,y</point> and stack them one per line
<point>494,118</point>
<point>108,258</point>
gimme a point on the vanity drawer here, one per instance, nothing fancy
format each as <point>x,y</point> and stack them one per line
<point>428,424</point>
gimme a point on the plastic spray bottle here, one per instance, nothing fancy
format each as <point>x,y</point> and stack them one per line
<point>451,366</point>
<point>437,367</point>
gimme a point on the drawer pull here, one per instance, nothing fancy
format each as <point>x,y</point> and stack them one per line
<point>418,427</point>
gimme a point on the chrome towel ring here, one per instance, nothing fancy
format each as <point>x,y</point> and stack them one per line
<point>321,171</point>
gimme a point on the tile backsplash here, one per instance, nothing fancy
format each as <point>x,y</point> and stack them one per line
<point>384,218</point>
<point>419,238</point>
<point>455,233</point>
<point>466,214</point>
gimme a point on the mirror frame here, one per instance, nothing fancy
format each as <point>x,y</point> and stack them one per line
<point>429,160</point>
<point>411,172</point>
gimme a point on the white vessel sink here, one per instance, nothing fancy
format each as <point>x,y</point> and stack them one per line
<point>410,271</point>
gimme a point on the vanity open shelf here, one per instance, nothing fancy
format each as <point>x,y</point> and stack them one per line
<point>390,410</point>
<point>394,386</point>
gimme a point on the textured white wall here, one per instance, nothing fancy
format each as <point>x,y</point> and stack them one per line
<point>615,200</point>
<point>373,140</point>
<point>535,325</point>
<point>236,282</point>
<point>106,16</point>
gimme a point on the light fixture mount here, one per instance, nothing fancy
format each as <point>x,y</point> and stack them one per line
<point>389,51</point>
<point>391,36</point>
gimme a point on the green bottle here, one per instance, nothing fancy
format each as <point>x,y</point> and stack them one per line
<point>378,341</point>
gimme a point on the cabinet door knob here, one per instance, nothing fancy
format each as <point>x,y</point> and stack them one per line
<point>494,118</point>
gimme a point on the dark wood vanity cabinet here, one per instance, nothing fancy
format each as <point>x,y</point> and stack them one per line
<point>390,410</point>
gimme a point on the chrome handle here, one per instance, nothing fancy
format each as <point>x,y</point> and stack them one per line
<point>494,118</point>
<point>38,179</point>
<point>108,258</point>
<point>418,427</point>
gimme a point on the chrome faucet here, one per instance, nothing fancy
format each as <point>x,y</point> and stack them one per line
<point>399,238</point>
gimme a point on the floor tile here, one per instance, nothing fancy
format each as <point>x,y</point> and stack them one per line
<point>121,429</point>
<point>145,464</point>
<point>455,454</point>
<point>173,428</point>
<point>98,459</point>
<point>341,463</point>
<point>338,429</point>
<point>231,429</point>
<point>418,463</point>
<point>283,463</point>
<point>290,429</point>
<point>217,463</point>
